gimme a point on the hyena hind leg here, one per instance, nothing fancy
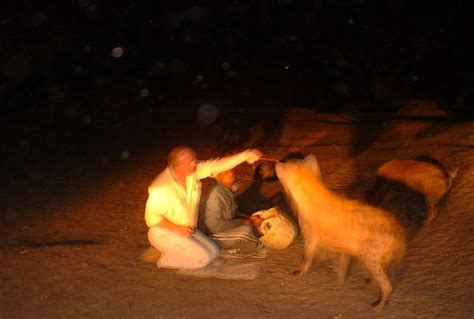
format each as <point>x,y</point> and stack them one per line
<point>309,249</point>
<point>342,266</point>
<point>379,274</point>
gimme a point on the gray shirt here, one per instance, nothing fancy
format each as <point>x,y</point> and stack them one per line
<point>220,209</point>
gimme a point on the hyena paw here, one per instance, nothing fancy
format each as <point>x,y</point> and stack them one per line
<point>298,273</point>
<point>378,305</point>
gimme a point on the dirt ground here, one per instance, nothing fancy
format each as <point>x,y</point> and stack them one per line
<point>72,229</point>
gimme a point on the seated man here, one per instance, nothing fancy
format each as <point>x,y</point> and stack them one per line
<point>171,211</point>
<point>220,217</point>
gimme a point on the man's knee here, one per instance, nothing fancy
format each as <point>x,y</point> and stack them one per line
<point>205,258</point>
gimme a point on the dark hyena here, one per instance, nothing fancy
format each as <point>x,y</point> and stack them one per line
<point>411,189</point>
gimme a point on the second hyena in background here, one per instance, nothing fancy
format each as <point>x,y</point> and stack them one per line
<point>346,226</point>
<point>411,189</point>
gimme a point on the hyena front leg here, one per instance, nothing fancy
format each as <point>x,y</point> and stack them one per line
<point>342,265</point>
<point>310,244</point>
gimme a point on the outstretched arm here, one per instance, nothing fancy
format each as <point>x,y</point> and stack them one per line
<point>228,162</point>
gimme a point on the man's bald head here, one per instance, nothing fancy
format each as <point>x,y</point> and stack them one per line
<point>178,154</point>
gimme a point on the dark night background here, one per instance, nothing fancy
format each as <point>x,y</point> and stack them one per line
<point>78,72</point>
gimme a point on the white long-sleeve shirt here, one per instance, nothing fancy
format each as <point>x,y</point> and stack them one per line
<point>169,199</point>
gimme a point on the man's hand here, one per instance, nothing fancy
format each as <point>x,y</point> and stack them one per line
<point>253,155</point>
<point>185,231</point>
<point>256,220</point>
<point>248,221</point>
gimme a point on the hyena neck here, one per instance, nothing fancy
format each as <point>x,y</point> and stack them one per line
<point>309,190</point>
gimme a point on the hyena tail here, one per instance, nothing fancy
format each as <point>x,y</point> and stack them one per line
<point>150,255</point>
<point>399,251</point>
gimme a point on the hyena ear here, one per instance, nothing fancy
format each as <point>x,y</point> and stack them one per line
<point>311,163</point>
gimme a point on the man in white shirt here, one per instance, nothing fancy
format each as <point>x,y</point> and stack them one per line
<point>172,207</point>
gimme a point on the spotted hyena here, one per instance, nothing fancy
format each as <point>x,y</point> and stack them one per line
<point>346,226</point>
<point>411,189</point>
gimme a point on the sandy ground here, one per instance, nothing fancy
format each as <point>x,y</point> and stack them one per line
<point>72,229</point>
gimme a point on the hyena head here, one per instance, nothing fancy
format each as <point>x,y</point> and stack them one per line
<point>288,171</point>
<point>266,169</point>
<point>294,174</point>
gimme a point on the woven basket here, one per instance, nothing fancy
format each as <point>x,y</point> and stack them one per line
<point>278,229</point>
